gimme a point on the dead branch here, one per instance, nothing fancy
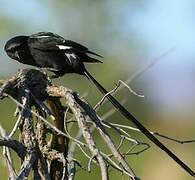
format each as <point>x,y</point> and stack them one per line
<point>30,89</point>
<point>37,103</point>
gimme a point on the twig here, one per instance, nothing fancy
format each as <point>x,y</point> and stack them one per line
<point>15,126</point>
<point>129,88</point>
<point>28,138</point>
<point>138,73</point>
<point>8,158</point>
<point>104,98</point>
<point>15,145</point>
<point>155,133</point>
<point>47,123</point>
<point>87,135</point>
<point>91,113</point>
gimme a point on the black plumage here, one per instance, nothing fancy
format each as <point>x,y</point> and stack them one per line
<point>49,50</point>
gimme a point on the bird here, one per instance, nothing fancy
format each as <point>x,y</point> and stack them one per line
<point>53,52</point>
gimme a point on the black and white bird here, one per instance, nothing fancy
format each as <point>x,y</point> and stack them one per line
<point>49,50</point>
<point>61,56</point>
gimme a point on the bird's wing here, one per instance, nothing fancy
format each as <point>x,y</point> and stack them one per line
<point>47,41</point>
<point>71,45</point>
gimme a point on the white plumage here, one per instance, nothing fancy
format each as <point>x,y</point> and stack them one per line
<point>63,47</point>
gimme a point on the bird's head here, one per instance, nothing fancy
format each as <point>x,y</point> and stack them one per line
<point>15,46</point>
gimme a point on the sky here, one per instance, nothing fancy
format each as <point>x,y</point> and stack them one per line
<point>164,25</point>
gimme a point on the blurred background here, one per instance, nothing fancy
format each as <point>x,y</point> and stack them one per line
<point>129,34</point>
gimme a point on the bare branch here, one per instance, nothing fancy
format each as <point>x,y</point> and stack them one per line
<point>15,145</point>
<point>8,158</point>
<point>30,90</point>
<point>91,113</point>
<point>87,134</point>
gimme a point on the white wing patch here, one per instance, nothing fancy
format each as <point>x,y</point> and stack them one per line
<point>43,36</point>
<point>69,56</point>
<point>63,47</point>
<point>17,55</point>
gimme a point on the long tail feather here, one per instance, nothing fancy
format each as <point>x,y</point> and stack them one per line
<point>90,52</point>
<point>88,59</point>
<point>130,117</point>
